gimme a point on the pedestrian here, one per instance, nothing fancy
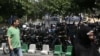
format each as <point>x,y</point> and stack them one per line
<point>86,45</point>
<point>13,36</point>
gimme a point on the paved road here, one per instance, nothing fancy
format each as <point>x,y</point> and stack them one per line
<point>28,54</point>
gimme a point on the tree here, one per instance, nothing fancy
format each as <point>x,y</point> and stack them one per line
<point>15,7</point>
<point>85,5</point>
<point>57,6</point>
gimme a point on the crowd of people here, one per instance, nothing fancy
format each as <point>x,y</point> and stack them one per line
<point>84,37</point>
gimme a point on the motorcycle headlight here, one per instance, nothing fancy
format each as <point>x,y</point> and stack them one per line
<point>24,26</point>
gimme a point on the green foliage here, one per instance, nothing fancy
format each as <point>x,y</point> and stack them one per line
<point>15,7</point>
<point>85,5</point>
<point>57,6</point>
<point>39,8</point>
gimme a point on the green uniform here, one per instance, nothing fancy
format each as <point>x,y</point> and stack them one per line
<point>14,34</point>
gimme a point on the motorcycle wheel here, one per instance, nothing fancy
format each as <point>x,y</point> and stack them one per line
<point>5,49</point>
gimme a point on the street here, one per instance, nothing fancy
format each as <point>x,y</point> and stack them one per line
<point>28,54</point>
